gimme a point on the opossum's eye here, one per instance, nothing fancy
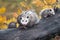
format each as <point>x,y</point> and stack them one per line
<point>50,10</point>
<point>20,18</point>
<point>27,16</point>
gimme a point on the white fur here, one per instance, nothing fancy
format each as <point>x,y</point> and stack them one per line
<point>25,21</point>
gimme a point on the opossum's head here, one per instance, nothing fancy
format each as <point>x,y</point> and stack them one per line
<point>24,18</point>
<point>48,11</point>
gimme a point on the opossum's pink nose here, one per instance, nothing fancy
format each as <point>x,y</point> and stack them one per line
<point>24,21</point>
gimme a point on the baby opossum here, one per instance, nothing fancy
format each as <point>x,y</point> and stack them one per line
<point>47,12</point>
<point>28,18</point>
<point>12,25</point>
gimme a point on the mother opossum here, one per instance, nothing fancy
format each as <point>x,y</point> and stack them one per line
<point>47,12</point>
<point>28,18</point>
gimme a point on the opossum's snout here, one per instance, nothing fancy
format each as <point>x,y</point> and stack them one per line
<point>52,11</point>
<point>24,21</point>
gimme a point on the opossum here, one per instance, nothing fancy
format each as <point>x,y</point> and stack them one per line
<point>47,12</point>
<point>12,25</point>
<point>28,18</point>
